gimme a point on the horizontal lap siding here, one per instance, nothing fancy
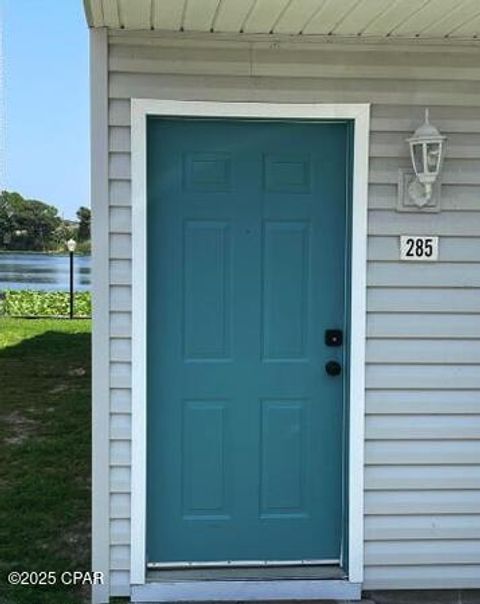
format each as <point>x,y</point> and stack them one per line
<point>422,480</point>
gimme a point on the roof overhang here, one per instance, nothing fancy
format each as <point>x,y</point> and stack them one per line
<point>429,20</point>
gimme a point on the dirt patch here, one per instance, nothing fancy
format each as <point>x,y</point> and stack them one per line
<point>77,372</point>
<point>75,543</point>
<point>59,388</point>
<point>20,428</point>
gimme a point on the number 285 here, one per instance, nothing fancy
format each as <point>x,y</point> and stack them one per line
<point>419,247</point>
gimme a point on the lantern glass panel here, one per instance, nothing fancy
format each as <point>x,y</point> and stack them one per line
<point>433,157</point>
<point>417,156</point>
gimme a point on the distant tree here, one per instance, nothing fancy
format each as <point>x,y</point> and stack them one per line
<point>41,220</point>
<point>27,224</point>
<point>62,234</point>
<point>83,215</point>
<point>7,217</point>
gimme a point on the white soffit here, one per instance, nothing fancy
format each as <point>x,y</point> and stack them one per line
<point>424,19</point>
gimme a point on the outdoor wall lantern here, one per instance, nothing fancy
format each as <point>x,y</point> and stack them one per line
<point>427,150</point>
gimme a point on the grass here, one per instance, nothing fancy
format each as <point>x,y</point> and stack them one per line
<point>45,455</point>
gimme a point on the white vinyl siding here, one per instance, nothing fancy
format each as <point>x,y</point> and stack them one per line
<point>422,476</point>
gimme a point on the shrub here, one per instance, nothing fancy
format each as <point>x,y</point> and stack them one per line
<point>84,248</point>
<point>28,303</point>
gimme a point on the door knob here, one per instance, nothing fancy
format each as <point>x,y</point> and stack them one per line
<point>333,368</point>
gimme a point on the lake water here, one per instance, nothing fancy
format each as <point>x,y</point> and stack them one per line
<point>43,271</point>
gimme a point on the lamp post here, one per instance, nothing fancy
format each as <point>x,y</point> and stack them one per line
<point>71,247</point>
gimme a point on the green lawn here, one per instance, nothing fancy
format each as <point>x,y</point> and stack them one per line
<point>44,455</point>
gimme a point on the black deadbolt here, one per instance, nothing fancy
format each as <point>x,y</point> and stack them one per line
<point>333,368</point>
<point>333,337</point>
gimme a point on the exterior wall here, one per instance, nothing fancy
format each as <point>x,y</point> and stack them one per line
<point>422,475</point>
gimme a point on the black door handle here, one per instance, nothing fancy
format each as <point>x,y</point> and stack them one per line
<point>333,368</point>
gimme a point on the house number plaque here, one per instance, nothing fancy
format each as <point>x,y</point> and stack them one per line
<point>418,248</point>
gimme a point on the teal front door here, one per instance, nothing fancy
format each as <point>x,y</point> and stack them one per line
<point>247,239</point>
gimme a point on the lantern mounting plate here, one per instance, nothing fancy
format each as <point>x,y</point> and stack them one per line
<point>411,194</point>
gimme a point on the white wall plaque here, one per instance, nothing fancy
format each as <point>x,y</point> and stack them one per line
<point>419,248</point>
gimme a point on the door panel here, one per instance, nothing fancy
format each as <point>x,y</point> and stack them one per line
<point>283,458</point>
<point>204,446</point>
<point>285,278</point>
<point>247,230</point>
<point>206,269</point>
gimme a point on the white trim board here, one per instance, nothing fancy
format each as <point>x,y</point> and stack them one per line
<point>241,591</point>
<point>360,115</point>
<point>101,295</point>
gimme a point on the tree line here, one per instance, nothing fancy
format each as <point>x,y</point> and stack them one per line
<point>32,225</point>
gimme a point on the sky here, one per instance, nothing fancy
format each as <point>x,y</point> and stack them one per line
<point>46,101</point>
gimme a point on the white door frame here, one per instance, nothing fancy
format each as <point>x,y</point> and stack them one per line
<point>360,115</point>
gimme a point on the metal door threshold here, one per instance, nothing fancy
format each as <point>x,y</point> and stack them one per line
<point>240,563</point>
